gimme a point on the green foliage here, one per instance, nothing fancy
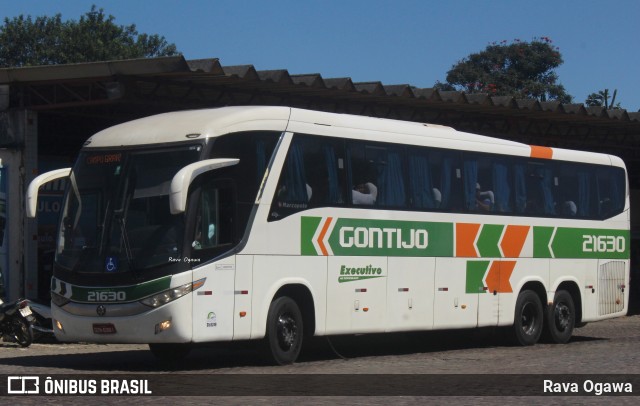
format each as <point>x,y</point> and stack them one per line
<point>25,41</point>
<point>602,99</point>
<point>519,69</point>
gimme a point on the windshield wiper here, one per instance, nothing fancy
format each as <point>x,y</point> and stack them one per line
<point>124,238</point>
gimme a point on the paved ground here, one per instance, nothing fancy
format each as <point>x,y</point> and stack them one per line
<point>608,347</point>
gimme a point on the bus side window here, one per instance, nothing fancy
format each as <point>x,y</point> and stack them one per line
<point>540,188</point>
<point>363,173</point>
<point>293,190</point>
<point>377,175</point>
<point>478,183</point>
<point>312,176</point>
<point>391,180</point>
<point>423,193</point>
<point>577,192</point>
<point>501,176</point>
<point>324,164</point>
<point>610,191</point>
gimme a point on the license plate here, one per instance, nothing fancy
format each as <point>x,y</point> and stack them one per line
<point>25,311</point>
<point>104,328</point>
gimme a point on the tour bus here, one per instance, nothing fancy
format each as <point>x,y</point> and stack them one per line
<point>277,223</point>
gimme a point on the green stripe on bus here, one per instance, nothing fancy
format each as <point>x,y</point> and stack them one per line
<point>541,239</point>
<point>367,237</point>
<point>120,293</point>
<point>488,241</point>
<point>475,276</point>
<point>590,243</point>
<point>308,227</point>
<point>362,237</point>
<point>594,243</point>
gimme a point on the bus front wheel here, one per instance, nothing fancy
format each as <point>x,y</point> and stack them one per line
<point>561,318</point>
<point>284,331</point>
<point>528,321</point>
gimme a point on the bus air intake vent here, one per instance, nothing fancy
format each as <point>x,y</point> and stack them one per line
<point>610,286</point>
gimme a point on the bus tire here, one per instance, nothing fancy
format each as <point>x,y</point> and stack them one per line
<point>170,353</point>
<point>561,318</point>
<point>528,321</point>
<point>284,331</point>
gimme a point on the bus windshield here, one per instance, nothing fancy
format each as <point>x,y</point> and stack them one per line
<point>116,216</point>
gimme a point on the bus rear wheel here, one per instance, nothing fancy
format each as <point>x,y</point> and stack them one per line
<point>561,318</point>
<point>528,321</point>
<point>284,331</point>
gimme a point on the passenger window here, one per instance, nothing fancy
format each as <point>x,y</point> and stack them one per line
<point>320,172</point>
<point>486,184</point>
<point>293,189</point>
<point>576,191</point>
<point>539,187</point>
<point>611,186</point>
<point>422,180</point>
<point>312,176</point>
<point>324,160</point>
<point>377,175</point>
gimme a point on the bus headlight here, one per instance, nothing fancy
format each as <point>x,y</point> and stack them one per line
<point>172,294</point>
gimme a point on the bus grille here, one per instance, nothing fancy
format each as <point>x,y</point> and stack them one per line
<point>611,281</point>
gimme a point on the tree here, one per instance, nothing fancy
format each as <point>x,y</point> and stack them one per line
<point>519,69</point>
<point>25,41</point>
<point>602,99</point>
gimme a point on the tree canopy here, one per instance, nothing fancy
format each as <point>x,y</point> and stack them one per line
<point>25,41</point>
<point>519,69</point>
<point>602,99</point>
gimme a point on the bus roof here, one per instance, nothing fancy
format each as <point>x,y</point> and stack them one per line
<point>183,126</point>
<point>176,126</point>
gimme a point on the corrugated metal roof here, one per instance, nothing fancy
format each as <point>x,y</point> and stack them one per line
<point>210,71</point>
<point>101,94</point>
<point>93,70</point>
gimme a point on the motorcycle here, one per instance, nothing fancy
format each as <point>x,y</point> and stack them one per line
<point>41,326</point>
<point>16,319</point>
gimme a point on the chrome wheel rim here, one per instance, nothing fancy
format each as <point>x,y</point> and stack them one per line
<point>562,315</point>
<point>287,331</point>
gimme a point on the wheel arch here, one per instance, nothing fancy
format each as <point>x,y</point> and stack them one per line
<point>303,297</point>
<point>538,288</point>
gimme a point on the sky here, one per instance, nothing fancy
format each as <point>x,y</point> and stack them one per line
<point>411,42</point>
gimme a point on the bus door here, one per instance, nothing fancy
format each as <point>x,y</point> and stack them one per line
<point>489,288</point>
<point>212,234</point>
<point>356,294</point>
<point>455,295</point>
<point>410,291</point>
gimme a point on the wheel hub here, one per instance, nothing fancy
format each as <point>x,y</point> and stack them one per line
<point>562,316</point>
<point>287,331</point>
<point>528,317</point>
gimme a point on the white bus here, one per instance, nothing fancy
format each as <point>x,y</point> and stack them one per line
<point>276,223</point>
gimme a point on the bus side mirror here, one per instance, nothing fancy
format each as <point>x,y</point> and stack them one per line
<point>181,181</point>
<point>32,191</point>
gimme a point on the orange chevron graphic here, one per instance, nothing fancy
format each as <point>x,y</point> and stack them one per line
<point>465,238</point>
<point>325,227</point>
<point>513,240</point>
<point>497,279</point>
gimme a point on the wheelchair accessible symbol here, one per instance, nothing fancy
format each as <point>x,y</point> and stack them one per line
<point>111,264</point>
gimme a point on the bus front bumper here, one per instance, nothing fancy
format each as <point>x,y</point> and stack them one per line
<point>171,323</point>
